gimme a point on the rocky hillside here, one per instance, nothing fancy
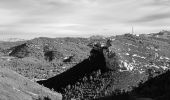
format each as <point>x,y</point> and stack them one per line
<point>139,53</point>
<point>16,87</point>
<point>160,36</point>
<point>40,48</point>
<point>42,58</point>
<point>157,88</point>
<point>129,60</point>
<point>82,68</point>
<point>94,77</point>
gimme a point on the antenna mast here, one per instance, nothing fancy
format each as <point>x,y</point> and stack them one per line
<point>132,30</point>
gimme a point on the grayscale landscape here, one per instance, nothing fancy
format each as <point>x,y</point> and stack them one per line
<point>84,50</point>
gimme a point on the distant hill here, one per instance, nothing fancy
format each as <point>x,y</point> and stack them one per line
<point>40,46</point>
<point>7,45</point>
<point>13,40</point>
<point>161,36</point>
<point>97,37</point>
<point>43,57</point>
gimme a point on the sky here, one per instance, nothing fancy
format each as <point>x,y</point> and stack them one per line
<point>57,18</point>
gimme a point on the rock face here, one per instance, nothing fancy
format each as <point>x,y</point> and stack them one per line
<point>16,87</point>
<point>112,60</point>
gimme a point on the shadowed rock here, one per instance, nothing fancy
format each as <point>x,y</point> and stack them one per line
<point>94,62</point>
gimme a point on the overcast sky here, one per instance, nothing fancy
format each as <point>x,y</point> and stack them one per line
<point>32,18</point>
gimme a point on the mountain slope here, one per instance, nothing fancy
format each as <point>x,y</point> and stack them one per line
<point>93,77</point>
<point>157,88</point>
<point>44,57</point>
<point>129,60</point>
<point>15,87</point>
<point>139,53</point>
<point>39,46</point>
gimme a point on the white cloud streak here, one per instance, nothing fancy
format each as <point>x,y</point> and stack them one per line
<point>82,17</point>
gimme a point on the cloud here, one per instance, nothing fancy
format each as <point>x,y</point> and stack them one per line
<point>71,17</point>
<point>161,2</point>
<point>154,17</point>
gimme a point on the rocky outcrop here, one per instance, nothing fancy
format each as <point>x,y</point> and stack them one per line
<point>52,55</point>
<point>95,62</point>
<point>20,51</point>
<point>101,63</point>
